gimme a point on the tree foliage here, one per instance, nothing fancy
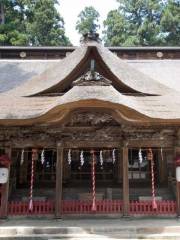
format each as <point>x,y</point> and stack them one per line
<point>143,23</point>
<point>170,22</point>
<point>12,28</point>
<point>32,22</point>
<point>88,20</point>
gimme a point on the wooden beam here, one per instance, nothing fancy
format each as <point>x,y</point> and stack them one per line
<point>5,190</point>
<point>90,144</point>
<point>125,183</point>
<point>59,176</point>
<point>150,143</point>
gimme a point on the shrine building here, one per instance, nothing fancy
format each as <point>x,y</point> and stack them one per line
<point>89,130</point>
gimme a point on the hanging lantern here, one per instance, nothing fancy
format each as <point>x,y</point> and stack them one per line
<point>101,158</point>
<point>140,156</point>
<point>4,170</point>
<point>69,157</point>
<point>82,158</point>
<point>177,162</point>
<point>42,157</point>
<point>113,156</point>
<point>178,174</point>
<point>22,157</point>
<point>4,175</point>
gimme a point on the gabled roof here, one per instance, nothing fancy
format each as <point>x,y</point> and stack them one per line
<point>25,100</point>
<point>68,69</point>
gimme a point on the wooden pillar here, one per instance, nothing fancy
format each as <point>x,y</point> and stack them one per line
<point>5,190</point>
<point>59,179</point>
<point>178,198</point>
<point>125,183</point>
<point>177,152</point>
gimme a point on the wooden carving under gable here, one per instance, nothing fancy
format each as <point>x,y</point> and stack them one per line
<point>85,118</point>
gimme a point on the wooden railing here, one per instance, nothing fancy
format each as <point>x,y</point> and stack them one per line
<point>145,208</point>
<point>39,208</point>
<point>84,207</point>
<point>164,208</point>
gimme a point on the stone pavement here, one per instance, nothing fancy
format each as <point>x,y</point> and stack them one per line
<point>87,229</point>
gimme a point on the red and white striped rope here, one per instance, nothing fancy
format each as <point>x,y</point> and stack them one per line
<point>154,204</point>
<point>93,183</point>
<point>34,152</point>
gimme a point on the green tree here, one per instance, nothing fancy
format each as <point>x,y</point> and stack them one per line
<point>45,25</point>
<point>31,22</point>
<point>88,20</point>
<point>170,22</point>
<point>135,23</point>
<point>12,27</point>
<point>116,29</point>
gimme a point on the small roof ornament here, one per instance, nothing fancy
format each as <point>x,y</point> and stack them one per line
<point>90,36</point>
<point>92,78</point>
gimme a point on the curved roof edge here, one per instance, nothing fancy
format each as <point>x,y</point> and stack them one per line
<point>142,109</point>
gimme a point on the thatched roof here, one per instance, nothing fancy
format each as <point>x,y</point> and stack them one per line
<point>23,82</point>
<point>166,72</point>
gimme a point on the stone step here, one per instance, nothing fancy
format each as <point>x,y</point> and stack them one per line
<point>86,229</point>
<point>95,237</point>
<point>73,233</point>
<point>124,235</point>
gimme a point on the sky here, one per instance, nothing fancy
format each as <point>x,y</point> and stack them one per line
<point>70,9</point>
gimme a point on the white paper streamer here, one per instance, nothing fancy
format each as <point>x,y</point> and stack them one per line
<point>101,158</point>
<point>140,156</point>
<point>162,155</point>
<point>42,157</point>
<point>69,157</point>
<point>113,156</point>
<point>82,158</point>
<point>22,157</point>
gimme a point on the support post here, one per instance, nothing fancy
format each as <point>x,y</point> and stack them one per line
<point>59,179</point>
<point>125,183</point>
<point>178,198</point>
<point>5,190</point>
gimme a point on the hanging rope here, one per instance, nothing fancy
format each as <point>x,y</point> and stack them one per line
<point>150,157</point>
<point>34,153</point>
<point>93,183</point>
